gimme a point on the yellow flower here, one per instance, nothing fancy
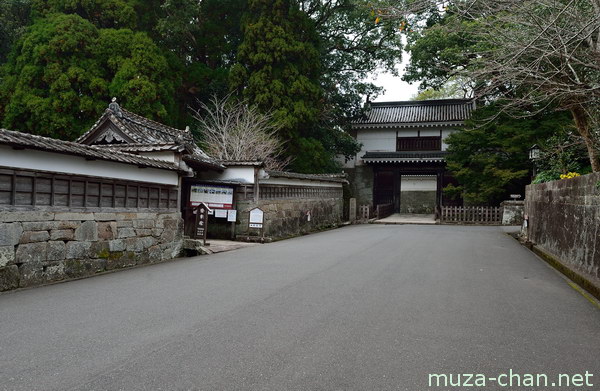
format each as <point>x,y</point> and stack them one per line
<point>569,175</point>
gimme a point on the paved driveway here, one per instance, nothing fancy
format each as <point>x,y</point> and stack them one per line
<point>368,307</point>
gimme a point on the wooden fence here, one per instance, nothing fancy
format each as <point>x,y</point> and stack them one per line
<point>472,214</point>
<point>364,212</point>
<point>384,210</point>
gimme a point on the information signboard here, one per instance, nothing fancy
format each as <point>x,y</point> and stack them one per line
<point>256,218</point>
<point>216,197</point>
<point>232,215</point>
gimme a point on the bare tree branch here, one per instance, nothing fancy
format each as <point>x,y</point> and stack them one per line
<point>231,130</point>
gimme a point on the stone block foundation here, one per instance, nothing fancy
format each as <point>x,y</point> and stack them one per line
<point>290,217</point>
<point>37,248</point>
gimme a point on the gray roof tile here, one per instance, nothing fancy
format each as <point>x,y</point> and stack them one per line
<point>405,156</point>
<point>415,112</point>
<point>339,178</point>
<point>147,133</point>
<point>141,147</point>
<point>25,140</point>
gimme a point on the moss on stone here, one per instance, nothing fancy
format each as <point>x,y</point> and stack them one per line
<point>103,254</point>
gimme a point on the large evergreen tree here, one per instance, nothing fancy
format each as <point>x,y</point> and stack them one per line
<point>101,13</point>
<point>204,37</point>
<point>490,160</point>
<point>15,15</point>
<point>278,70</point>
<point>65,69</point>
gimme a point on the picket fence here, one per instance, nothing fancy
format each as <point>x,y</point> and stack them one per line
<point>472,214</point>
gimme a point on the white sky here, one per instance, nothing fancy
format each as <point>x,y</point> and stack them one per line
<point>395,88</point>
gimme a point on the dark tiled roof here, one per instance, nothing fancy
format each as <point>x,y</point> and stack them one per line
<point>146,133</point>
<point>417,112</point>
<point>140,129</point>
<point>141,147</point>
<point>24,140</point>
<point>339,178</point>
<point>405,154</point>
<point>242,163</point>
<point>196,161</point>
<point>416,156</point>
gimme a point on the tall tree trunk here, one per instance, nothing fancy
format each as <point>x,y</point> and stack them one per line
<point>581,121</point>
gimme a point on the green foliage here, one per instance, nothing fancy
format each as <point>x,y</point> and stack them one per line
<point>101,13</point>
<point>353,46</point>
<point>204,37</point>
<point>14,17</point>
<point>436,53</point>
<point>561,153</point>
<point>490,160</point>
<point>453,88</point>
<point>64,70</point>
<point>309,60</point>
<point>546,176</point>
<point>278,69</point>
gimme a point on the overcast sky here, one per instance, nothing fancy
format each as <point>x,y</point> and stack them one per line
<point>396,89</point>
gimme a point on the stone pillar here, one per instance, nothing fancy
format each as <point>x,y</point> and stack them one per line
<point>352,210</point>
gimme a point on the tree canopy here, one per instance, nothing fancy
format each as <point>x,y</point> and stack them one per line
<point>491,160</point>
<point>308,61</point>
<point>532,54</point>
<point>64,70</point>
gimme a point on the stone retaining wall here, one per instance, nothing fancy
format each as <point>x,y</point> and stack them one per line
<point>40,247</point>
<point>361,184</point>
<point>512,212</point>
<point>564,221</point>
<point>418,202</point>
<point>288,217</point>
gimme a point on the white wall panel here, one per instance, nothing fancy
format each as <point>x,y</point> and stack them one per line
<point>418,183</point>
<point>67,164</point>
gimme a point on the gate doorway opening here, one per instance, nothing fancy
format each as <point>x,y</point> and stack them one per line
<point>411,189</point>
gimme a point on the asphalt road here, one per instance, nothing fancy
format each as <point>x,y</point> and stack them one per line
<point>367,307</point>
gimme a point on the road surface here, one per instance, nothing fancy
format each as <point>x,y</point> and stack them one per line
<point>369,307</point>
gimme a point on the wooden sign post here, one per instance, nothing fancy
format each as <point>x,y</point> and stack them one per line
<point>201,228</point>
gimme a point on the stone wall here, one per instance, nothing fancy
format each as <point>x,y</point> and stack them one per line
<point>419,202</point>
<point>564,221</point>
<point>288,217</point>
<point>40,247</point>
<point>361,184</point>
<point>512,212</point>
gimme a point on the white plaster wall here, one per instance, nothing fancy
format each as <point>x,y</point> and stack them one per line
<point>67,164</point>
<point>430,132</point>
<point>373,140</point>
<point>406,133</point>
<point>168,156</point>
<point>418,183</point>
<point>242,174</point>
<point>445,134</point>
<point>377,139</point>
<point>385,139</point>
<point>348,164</point>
